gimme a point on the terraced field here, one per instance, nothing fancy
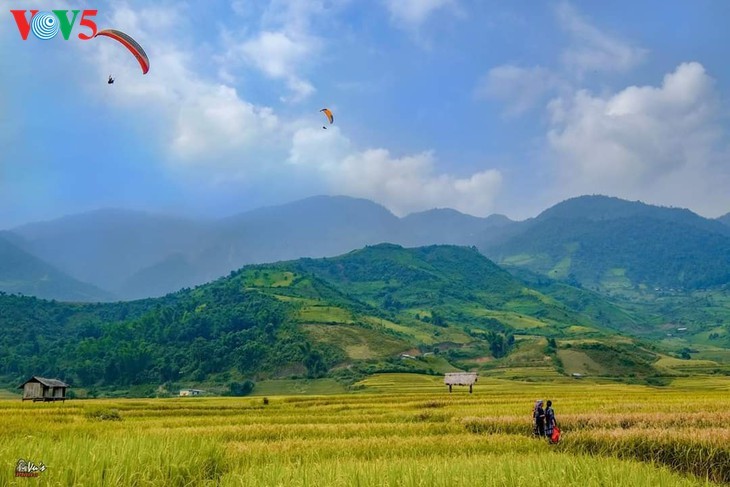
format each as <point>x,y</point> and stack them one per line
<point>396,429</point>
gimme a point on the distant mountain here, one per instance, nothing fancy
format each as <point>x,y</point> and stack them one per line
<point>172,273</point>
<point>609,243</point>
<point>21,272</point>
<point>314,227</point>
<point>446,226</point>
<point>381,308</point>
<point>108,247</point>
<point>725,219</point>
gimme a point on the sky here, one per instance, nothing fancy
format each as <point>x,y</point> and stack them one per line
<point>482,106</point>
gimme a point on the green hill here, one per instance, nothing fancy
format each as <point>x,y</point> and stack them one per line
<point>379,309</point>
<point>618,246</point>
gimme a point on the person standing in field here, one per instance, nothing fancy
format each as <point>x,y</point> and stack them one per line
<point>549,420</point>
<point>539,417</point>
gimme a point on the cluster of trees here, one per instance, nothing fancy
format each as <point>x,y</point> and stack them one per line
<point>500,344</point>
<point>190,335</point>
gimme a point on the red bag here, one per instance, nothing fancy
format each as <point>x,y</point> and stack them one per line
<point>555,437</point>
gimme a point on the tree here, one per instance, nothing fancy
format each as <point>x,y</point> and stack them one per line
<point>241,389</point>
<point>437,319</point>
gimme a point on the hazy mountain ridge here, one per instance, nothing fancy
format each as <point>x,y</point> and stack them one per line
<point>106,247</point>
<point>21,272</point>
<point>136,255</point>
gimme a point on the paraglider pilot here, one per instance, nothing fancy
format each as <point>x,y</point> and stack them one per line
<point>111,80</point>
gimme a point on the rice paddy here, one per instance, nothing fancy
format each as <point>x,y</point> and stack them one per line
<point>396,429</point>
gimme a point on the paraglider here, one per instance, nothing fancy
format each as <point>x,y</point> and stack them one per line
<point>329,115</point>
<point>130,44</point>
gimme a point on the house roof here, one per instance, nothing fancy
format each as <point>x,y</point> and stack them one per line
<point>44,381</point>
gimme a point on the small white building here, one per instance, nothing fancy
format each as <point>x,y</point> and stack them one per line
<point>190,392</point>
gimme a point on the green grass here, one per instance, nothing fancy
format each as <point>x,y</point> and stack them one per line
<point>561,269</point>
<point>677,363</point>
<point>358,343</point>
<point>269,278</point>
<point>578,361</point>
<point>514,320</point>
<point>528,351</point>
<point>324,314</point>
<point>419,333</point>
<point>519,260</point>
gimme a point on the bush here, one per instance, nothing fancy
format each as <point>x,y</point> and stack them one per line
<point>241,389</point>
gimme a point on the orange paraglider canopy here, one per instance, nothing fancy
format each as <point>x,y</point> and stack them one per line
<point>328,112</point>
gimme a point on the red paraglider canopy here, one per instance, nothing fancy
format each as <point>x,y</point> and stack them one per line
<point>130,44</point>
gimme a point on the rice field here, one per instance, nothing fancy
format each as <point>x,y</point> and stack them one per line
<point>396,430</point>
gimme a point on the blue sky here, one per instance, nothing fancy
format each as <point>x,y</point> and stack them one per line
<point>483,106</point>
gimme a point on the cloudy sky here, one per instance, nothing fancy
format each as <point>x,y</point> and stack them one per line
<point>482,106</point>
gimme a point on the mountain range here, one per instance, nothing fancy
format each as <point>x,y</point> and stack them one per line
<point>603,243</point>
<point>24,273</point>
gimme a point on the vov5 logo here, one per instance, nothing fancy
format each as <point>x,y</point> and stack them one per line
<point>46,25</point>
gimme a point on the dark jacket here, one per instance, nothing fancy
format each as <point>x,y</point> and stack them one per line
<point>549,421</point>
<point>540,421</point>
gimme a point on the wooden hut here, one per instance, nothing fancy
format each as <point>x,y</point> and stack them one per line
<point>461,379</point>
<point>42,389</point>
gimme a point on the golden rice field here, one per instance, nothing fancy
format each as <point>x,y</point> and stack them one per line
<point>398,430</point>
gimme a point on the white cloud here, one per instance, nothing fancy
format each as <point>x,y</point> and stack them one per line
<point>299,16</point>
<point>274,53</point>
<point>412,13</point>
<point>520,88</point>
<point>280,56</point>
<point>403,184</point>
<point>218,120</point>
<point>286,46</point>
<point>202,121</point>
<point>594,49</point>
<point>590,49</point>
<point>663,143</point>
